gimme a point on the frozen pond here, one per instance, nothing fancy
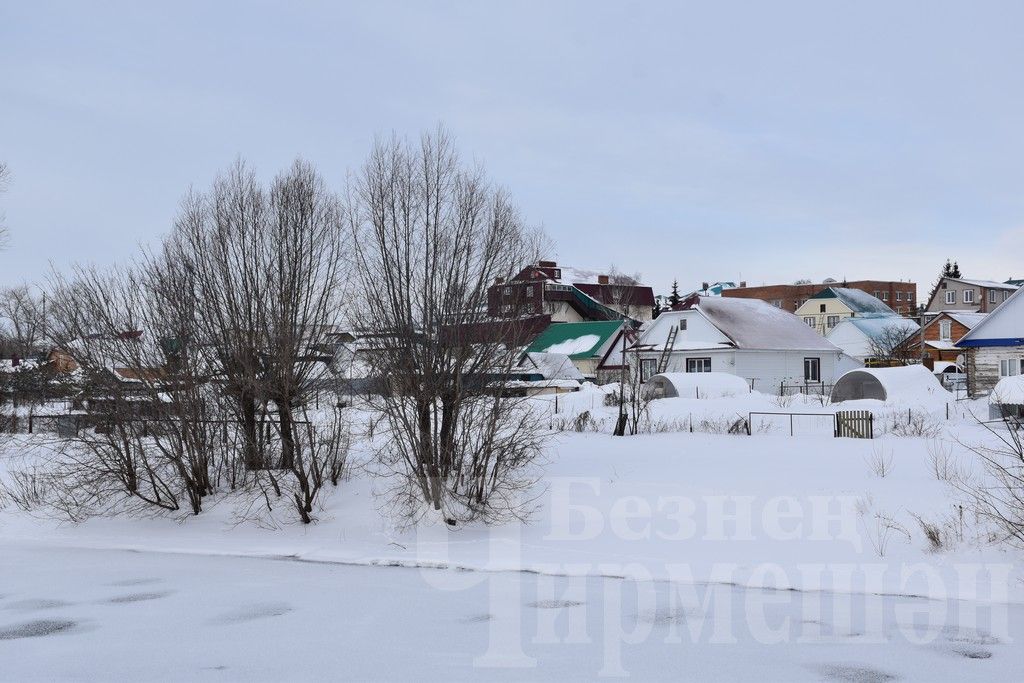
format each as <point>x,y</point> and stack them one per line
<point>116,615</point>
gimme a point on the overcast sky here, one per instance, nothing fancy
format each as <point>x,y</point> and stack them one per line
<point>763,141</point>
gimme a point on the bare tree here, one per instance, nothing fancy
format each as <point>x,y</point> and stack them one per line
<point>23,320</point>
<point>5,175</point>
<point>892,346</point>
<point>430,236</point>
<point>267,272</point>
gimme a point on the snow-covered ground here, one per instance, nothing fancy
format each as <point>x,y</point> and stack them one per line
<point>110,615</point>
<point>795,546</point>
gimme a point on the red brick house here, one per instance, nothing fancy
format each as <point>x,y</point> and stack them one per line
<point>569,295</point>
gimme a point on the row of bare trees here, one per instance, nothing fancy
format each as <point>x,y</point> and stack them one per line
<point>198,362</point>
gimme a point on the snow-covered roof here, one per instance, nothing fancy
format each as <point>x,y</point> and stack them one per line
<point>540,384</point>
<point>553,366</point>
<point>576,340</point>
<point>755,324</point>
<point>856,300</point>
<point>698,384</point>
<point>1008,391</point>
<point>967,318</point>
<point>989,284</point>
<point>874,327</point>
<point>1002,327</point>
<point>906,383</point>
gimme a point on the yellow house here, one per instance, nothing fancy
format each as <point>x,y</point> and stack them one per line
<point>824,310</point>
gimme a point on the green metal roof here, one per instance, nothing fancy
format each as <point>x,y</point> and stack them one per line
<point>576,340</point>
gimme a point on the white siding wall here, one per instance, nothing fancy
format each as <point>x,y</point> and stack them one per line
<point>768,369</point>
<point>851,340</point>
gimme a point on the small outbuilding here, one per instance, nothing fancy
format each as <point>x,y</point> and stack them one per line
<point>696,385</point>
<point>910,382</point>
<point>1007,399</point>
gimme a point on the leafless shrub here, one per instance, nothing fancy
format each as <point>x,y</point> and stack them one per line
<point>879,526</point>
<point>944,464</point>
<point>915,424</point>
<point>783,400</point>
<point>28,490</point>
<point>997,493</point>
<point>880,460</point>
<point>320,456</point>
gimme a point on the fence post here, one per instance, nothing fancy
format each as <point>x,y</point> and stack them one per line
<point>791,424</point>
<point>30,416</point>
<point>871,424</point>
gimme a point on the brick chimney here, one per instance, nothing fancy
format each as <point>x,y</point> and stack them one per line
<point>743,283</point>
<point>602,279</point>
<point>546,264</point>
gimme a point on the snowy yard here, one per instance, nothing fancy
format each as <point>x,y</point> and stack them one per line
<point>672,555</point>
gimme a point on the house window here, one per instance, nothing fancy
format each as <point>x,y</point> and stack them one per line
<point>506,291</point>
<point>682,324</point>
<point>1005,295</point>
<point>951,296</point>
<point>507,309</point>
<point>878,295</point>
<point>832,321</point>
<point>558,273</point>
<point>945,330</point>
<point>968,296</point>
<point>812,369</point>
<point>821,308</point>
<point>992,296</point>
<point>811,321</point>
<point>529,291</point>
<point>1009,367</point>
<point>899,296</point>
<point>910,296</point>
<point>885,296</point>
<point>647,368</point>
<point>777,303</point>
<point>698,365</point>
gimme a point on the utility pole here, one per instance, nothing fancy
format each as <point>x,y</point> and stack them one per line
<point>620,426</point>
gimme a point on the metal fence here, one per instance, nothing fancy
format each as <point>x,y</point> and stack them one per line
<point>857,424</point>
<point>805,389</point>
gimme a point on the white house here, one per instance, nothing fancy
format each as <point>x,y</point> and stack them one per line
<point>749,338</point>
<point>995,346</point>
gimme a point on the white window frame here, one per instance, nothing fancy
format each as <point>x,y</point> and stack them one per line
<point>992,296</point>
<point>811,321</point>
<point>506,291</point>
<point>1009,367</point>
<point>529,291</point>
<point>899,296</point>
<point>682,325</point>
<point>703,363</point>
<point>945,330</point>
<point>648,368</point>
<point>831,321</point>
<point>968,296</point>
<point>950,296</point>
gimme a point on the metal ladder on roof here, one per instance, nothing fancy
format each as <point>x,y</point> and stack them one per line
<point>667,351</point>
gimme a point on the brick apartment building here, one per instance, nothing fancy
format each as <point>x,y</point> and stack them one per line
<point>899,296</point>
